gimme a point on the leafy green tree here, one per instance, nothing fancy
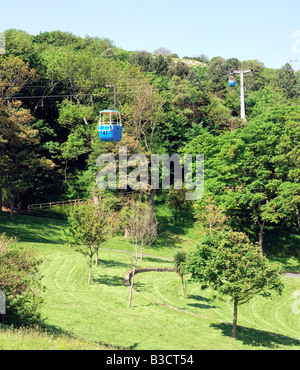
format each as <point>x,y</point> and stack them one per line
<point>160,64</point>
<point>210,214</point>
<point>75,118</point>
<point>178,68</point>
<point>17,137</point>
<point>232,266</point>
<point>20,44</point>
<point>180,113</point>
<point>256,80</point>
<point>109,53</point>
<point>141,58</point>
<point>179,266</point>
<point>249,169</point>
<point>21,282</point>
<point>91,226</point>
<point>57,38</point>
<point>176,200</point>
<point>14,75</point>
<point>18,150</point>
<point>267,97</point>
<point>286,80</point>
<point>218,72</point>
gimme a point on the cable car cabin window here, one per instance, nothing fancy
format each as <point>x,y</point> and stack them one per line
<point>110,117</point>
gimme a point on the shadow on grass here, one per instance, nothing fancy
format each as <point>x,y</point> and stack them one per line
<point>200,299</point>
<point>33,229</point>
<point>112,263</point>
<point>108,280</point>
<point>57,332</point>
<point>166,239</point>
<point>257,338</point>
<point>155,259</point>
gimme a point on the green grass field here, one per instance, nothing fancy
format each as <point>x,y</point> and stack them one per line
<point>97,316</point>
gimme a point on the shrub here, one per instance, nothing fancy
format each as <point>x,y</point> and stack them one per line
<point>20,282</point>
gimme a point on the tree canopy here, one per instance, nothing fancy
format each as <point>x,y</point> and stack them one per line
<point>53,85</point>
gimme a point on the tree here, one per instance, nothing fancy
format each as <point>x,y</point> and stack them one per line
<point>14,75</point>
<point>180,113</point>
<point>160,64</point>
<point>143,111</point>
<point>90,227</point>
<point>230,264</point>
<point>141,58</point>
<point>75,118</point>
<point>219,70</point>
<point>162,50</point>
<point>208,212</point>
<point>179,266</point>
<point>286,80</point>
<point>252,172</point>
<point>109,53</point>
<point>21,282</point>
<point>18,151</point>
<point>176,200</point>
<point>18,140</point>
<point>178,68</point>
<point>142,230</point>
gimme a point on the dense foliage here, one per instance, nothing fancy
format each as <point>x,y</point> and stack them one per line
<point>53,85</point>
<point>21,283</point>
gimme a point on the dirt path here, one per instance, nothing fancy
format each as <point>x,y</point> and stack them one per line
<point>292,274</point>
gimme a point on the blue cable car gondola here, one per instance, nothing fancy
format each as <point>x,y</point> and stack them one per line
<point>110,125</point>
<point>231,81</point>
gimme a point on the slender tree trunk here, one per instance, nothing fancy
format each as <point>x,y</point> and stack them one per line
<point>261,237</point>
<point>142,249</point>
<point>96,199</point>
<point>132,282</point>
<point>66,170</point>
<point>182,284</point>
<point>126,233</point>
<point>97,250</point>
<point>132,277</point>
<point>234,325</point>
<point>151,202</point>
<point>90,268</point>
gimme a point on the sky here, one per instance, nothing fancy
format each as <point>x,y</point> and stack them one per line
<point>265,30</point>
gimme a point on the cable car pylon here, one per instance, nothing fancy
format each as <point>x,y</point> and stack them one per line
<point>232,83</point>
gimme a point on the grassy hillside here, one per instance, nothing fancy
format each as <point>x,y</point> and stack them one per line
<point>99,313</point>
<point>38,339</point>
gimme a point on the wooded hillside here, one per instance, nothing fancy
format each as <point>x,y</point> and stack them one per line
<point>53,85</point>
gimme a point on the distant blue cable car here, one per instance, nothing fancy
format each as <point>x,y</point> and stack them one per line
<point>231,81</point>
<point>110,125</point>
